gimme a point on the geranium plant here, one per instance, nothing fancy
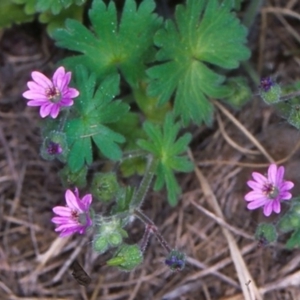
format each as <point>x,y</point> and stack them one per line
<point>172,68</point>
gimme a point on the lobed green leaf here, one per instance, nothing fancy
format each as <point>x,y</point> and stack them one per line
<point>203,32</point>
<point>111,45</point>
<point>167,151</point>
<point>91,111</point>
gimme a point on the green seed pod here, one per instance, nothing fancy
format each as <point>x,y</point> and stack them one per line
<point>100,244</point>
<point>127,257</point>
<point>104,186</point>
<point>115,239</point>
<point>266,233</point>
<point>270,91</point>
<point>55,146</point>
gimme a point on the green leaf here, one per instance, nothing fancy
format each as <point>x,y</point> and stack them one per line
<point>127,257</point>
<point>291,219</point>
<point>166,149</point>
<point>130,127</point>
<point>91,111</point>
<point>55,21</point>
<point>56,6</point>
<point>294,240</point>
<point>203,32</point>
<point>11,13</point>
<point>125,45</point>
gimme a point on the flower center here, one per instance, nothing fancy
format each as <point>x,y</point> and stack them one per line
<point>53,94</point>
<point>79,217</point>
<point>270,190</point>
<point>54,148</point>
<point>266,84</point>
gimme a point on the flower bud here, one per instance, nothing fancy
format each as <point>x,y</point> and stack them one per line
<point>105,186</point>
<point>269,91</point>
<point>266,233</point>
<point>55,146</point>
<point>100,244</point>
<point>175,260</point>
<point>110,234</point>
<point>127,257</point>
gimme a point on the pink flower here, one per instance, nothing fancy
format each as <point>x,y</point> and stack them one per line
<point>50,95</point>
<point>75,216</point>
<point>268,191</point>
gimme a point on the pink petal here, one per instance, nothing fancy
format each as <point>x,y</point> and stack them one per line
<point>253,195</point>
<point>55,111</point>
<point>276,206</point>
<point>279,177</point>
<point>286,196</point>
<point>257,203</point>
<point>41,79</point>
<point>86,201</point>
<point>45,110</point>
<point>58,77</point>
<point>286,185</point>
<point>71,93</point>
<point>259,178</point>
<point>62,211</point>
<point>272,173</point>
<point>68,225</point>
<point>38,102</point>
<point>72,201</point>
<point>66,102</point>
<point>255,185</point>
<point>76,192</point>
<point>33,95</point>
<point>60,220</point>
<point>268,208</point>
<point>63,83</point>
<point>33,86</point>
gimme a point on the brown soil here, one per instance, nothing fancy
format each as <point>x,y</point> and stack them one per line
<point>211,223</point>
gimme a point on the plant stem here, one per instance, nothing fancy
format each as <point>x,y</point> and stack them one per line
<point>140,194</point>
<point>151,228</point>
<point>63,120</point>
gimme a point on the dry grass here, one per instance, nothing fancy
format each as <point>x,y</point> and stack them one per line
<point>210,224</point>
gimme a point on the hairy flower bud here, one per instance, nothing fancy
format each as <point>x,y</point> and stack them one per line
<point>127,257</point>
<point>110,234</point>
<point>105,186</point>
<point>269,91</point>
<point>175,260</point>
<point>55,146</point>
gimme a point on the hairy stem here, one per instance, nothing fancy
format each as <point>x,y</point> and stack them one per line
<point>140,194</point>
<point>151,228</point>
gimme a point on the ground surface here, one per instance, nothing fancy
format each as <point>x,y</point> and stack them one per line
<point>220,247</point>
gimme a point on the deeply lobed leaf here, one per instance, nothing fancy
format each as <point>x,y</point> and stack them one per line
<point>113,46</point>
<point>203,32</point>
<point>93,109</point>
<point>167,151</point>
